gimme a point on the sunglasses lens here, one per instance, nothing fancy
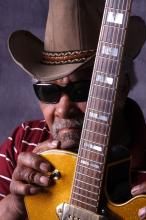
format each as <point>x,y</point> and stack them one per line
<point>51,93</point>
<point>47,93</point>
<point>79,92</point>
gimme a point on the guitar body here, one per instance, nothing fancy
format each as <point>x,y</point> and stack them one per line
<point>43,206</point>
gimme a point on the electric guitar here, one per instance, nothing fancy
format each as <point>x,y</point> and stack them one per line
<point>83,184</point>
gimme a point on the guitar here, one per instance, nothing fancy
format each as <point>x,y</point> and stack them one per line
<point>82,183</point>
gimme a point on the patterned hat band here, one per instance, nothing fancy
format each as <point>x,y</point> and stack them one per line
<point>67,56</point>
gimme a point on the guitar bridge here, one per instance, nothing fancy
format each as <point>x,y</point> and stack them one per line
<point>69,212</point>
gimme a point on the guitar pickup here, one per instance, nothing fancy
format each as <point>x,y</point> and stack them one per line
<point>69,212</point>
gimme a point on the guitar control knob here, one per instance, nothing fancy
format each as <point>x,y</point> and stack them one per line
<point>56,174</point>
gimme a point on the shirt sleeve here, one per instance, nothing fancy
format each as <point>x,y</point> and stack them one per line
<point>8,158</point>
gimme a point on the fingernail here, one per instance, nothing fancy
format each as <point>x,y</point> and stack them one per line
<point>142,212</point>
<point>44,180</point>
<point>55,143</point>
<point>33,190</point>
<point>44,167</point>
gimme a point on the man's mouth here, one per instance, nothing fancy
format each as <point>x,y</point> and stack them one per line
<point>68,130</point>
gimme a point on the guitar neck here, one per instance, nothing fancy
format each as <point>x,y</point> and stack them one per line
<point>95,135</point>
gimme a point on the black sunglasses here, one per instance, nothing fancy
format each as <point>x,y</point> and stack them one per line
<point>51,93</point>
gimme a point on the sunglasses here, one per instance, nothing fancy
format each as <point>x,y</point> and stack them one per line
<point>51,93</point>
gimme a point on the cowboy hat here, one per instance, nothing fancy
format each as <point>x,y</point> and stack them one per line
<point>70,42</point>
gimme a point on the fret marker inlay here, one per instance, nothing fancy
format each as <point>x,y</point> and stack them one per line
<point>116,18</point>
<point>93,146</point>
<point>104,79</point>
<point>91,164</point>
<point>98,116</point>
<point>111,51</point>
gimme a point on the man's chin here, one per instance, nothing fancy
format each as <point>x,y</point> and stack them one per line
<point>69,140</point>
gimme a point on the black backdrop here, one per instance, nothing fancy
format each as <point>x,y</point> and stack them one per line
<point>17,101</point>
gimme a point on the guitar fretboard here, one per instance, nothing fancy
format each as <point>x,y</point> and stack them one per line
<point>100,106</point>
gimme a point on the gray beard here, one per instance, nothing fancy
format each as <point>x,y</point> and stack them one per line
<point>71,139</point>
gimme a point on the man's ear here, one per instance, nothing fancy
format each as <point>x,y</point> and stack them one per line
<point>136,36</point>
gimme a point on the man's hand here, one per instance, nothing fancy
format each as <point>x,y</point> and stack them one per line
<point>30,175</point>
<point>137,190</point>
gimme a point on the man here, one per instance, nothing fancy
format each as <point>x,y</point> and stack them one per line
<point>61,70</point>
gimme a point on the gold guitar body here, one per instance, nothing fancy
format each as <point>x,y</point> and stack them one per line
<point>43,206</point>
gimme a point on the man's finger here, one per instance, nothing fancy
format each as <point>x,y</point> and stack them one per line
<point>19,188</point>
<point>139,189</point>
<point>34,161</point>
<point>30,176</point>
<point>142,213</point>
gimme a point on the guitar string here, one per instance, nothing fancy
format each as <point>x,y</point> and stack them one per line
<point>109,62</point>
<point>86,125</point>
<point>107,65</point>
<point>93,107</point>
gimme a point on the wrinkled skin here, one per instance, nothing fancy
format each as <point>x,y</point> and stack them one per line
<point>30,175</point>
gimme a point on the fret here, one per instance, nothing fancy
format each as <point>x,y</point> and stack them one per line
<point>83,139</point>
<point>103,92</point>
<point>98,116</point>
<point>106,66</point>
<point>91,155</point>
<point>84,205</point>
<point>91,176</point>
<point>86,190</point>
<point>118,4</point>
<point>102,96</point>
<point>92,147</point>
<point>96,121</point>
<point>116,18</point>
<point>103,106</point>
<point>94,143</point>
<point>103,87</point>
<point>95,126</point>
<point>88,179</point>
<point>108,50</point>
<point>102,79</point>
<point>112,34</point>
<point>86,185</point>
<point>90,164</point>
<point>95,132</point>
<point>94,137</point>
<point>87,167</point>
<point>85,193</point>
<point>89,199</point>
<point>90,161</point>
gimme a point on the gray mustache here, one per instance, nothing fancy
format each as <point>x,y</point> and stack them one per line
<point>66,123</point>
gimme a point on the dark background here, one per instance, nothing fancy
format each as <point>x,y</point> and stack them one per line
<point>17,100</point>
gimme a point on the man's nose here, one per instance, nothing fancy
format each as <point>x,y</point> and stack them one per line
<point>65,108</point>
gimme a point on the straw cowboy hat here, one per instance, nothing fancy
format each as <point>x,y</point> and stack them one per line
<point>70,42</point>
